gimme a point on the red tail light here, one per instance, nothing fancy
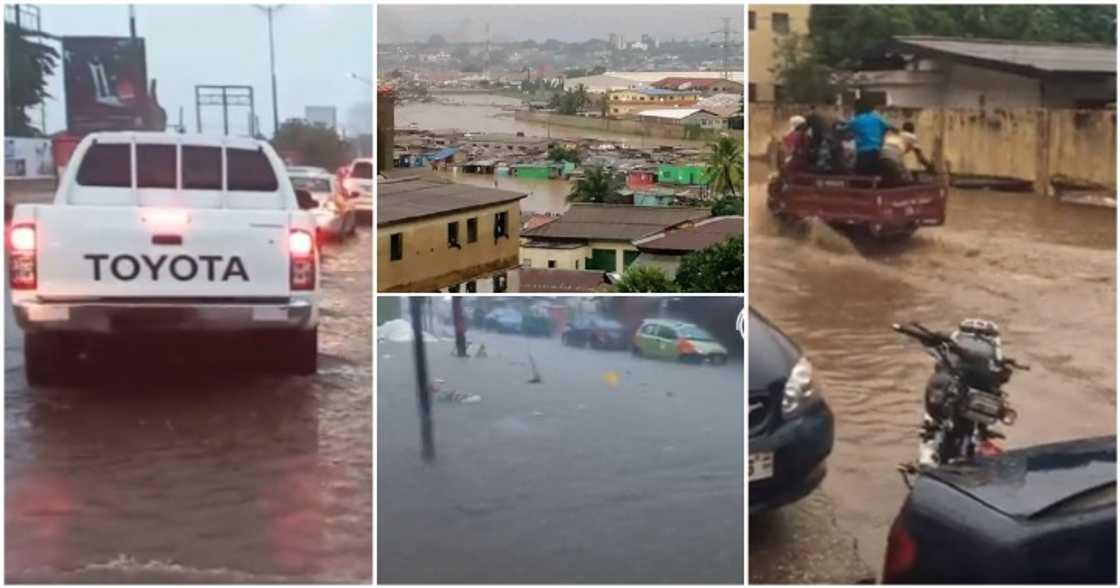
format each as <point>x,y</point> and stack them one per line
<point>902,552</point>
<point>301,248</point>
<point>22,243</point>
<point>685,347</point>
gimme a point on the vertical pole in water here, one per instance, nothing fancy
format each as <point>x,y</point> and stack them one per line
<point>427,447</point>
<point>460,326</point>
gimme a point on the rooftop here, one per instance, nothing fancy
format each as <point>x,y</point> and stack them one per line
<point>415,198</point>
<point>693,238</point>
<point>1024,57</point>
<point>614,222</point>
<point>682,83</point>
<point>560,280</point>
<point>672,113</point>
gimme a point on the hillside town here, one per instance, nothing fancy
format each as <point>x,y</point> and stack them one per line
<point>571,150</point>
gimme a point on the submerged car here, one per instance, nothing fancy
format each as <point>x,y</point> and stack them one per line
<point>677,340</point>
<point>596,332</point>
<point>334,215</point>
<point>790,425</point>
<point>503,320</point>
<point>358,185</point>
<point>1039,515</point>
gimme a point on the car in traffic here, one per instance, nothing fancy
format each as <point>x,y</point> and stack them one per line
<point>334,216</point>
<point>677,340</point>
<point>595,331</point>
<point>1038,515</point>
<point>790,425</point>
<point>165,233</point>
<point>503,320</point>
<point>358,185</point>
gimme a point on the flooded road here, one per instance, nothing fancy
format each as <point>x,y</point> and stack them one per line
<point>611,469</point>
<point>172,470</point>
<point>1043,270</point>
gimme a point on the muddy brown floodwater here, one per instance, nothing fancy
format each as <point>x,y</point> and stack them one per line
<point>177,465</point>
<point>1043,270</point>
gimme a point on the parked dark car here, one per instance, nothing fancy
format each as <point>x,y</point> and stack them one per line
<point>1044,514</point>
<point>791,428</point>
<point>597,332</point>
<point>503,320</point>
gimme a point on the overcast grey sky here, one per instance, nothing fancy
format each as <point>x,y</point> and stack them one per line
<point>316,46</point>
<point>575,22</point>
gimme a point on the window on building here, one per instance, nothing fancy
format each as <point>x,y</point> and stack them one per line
<point>751,92</point>
<point>500,282</point>
<point>453,235</point>
<point>396,246</point>
<point>527,262</point>
<point>472,286</point>
<point>750,20</point>
<point>577,264</point>
<point>551,263</point>
<point>779,23</point>
<point>472,230</point>
<point>779,93</point>
<point>454,289</point>
<point>501,225</point>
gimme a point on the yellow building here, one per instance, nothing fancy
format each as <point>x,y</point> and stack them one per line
<point>623,102</point>
<point>767,26</point>
<point>439,236</point>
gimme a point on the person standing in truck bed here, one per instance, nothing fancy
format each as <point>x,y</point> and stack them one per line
<point>869,129</point>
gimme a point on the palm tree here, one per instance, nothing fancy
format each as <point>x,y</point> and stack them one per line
<point>725,167</point>
<point>598,185</point>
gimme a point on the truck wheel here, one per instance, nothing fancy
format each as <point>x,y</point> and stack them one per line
<point>48,360</point>
<point>303,352</point>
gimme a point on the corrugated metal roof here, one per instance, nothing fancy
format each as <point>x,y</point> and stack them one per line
<point>560,280</point>
<point>614,222</point>
<point>1043,57</point>
<point>670,113</point>
<point>696,237</point>
<point>417,198</point>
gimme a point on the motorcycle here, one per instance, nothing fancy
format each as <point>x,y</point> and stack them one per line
<point>964,398</point>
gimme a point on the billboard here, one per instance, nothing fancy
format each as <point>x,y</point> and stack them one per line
<point>28,158</point>
<point>106,81</point>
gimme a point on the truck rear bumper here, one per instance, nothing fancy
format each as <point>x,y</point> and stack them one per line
<point>156,317</point>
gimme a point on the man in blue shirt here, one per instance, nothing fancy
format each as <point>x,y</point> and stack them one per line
<point>869,129</point>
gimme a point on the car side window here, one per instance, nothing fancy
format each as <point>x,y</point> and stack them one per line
<point>249,170</point>
<point>155,166</point>
<point>667,333</point>
<point>106,165</point>
<point>202,168</point>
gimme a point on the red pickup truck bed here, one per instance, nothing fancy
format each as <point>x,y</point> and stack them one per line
<point>859,202</point>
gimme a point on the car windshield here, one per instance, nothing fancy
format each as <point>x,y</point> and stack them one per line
<point>693,332</point>
<point>311,184</point>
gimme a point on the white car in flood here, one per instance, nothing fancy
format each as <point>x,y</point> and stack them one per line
<point>359,185</point>
<point>335,216</point>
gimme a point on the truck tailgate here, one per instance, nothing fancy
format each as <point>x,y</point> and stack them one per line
<point>127,252</point>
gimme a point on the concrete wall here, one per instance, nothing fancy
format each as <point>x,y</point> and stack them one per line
<point>623,127</point>
<point>1031,144</point>
<point>966,86</point>
<point>763,41</point>
<point>429,264</point>
<point>538,257</point>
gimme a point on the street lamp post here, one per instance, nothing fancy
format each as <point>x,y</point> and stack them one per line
<point>271,9</point>
<point>363,79</point>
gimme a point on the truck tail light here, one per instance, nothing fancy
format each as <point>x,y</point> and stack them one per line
<point>902,552</point>
<point>301,248</point>
<point>21,257</point>
<point>685,347</point>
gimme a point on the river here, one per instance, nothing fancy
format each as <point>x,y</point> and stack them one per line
<point>177,465</point>
<point>1043,270</point>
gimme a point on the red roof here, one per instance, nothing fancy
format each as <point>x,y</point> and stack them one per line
<point>695,237</point>
<point>675,83</point>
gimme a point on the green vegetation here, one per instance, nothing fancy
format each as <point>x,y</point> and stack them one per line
<point>725,167</point>
<point>727,206</point>
<point>570,101</point>
<point>718,268</point>
<point>560,153</point>
<point>29,64</point>
<point>645,279</point>
<point>315,145</point>
<point>598,185</point>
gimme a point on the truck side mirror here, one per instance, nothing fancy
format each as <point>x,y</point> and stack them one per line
<point>305,201</point>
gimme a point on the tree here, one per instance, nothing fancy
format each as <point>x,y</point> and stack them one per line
<point>598,185</point>
<point>716,268</point>
<point>437,41</point>
<point>29,64</point>
<point>725,167</point>
<point>317,145</point>
<point>728,206</point>
<point>644,279</point>
<point>560,153</point>
<point>801,73</point>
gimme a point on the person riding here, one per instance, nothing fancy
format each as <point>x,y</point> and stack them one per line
<point>893,155</point>
<point>793,142</point>
<point>869,129</point>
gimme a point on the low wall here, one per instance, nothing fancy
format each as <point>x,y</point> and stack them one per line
<point>1044,147</point>
<point>623,127</point>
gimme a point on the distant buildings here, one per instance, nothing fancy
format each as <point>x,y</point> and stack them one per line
<point>768,25</point>
<point>438,236</point>
<point>685,116</point>
<point>706,86</point>
<point>621,103</point>
<point>921,72</point>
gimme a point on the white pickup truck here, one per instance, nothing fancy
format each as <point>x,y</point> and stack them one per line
<point>165,233</point>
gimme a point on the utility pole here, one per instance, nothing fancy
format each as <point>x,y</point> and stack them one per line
<point>726,47</point>
<point>132,21</point>
<point>270,9</point>
<point>460,325</point>
<point>423,391</point>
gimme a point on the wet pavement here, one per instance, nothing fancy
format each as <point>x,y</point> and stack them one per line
<point>611,469</point>
<point>179,465</point>
<point>1043,270</point>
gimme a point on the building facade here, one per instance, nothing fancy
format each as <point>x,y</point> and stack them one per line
<point>767,26</point>
<point>621,103</point>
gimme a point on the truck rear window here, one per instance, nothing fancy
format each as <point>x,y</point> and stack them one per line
<point>106,165</point>
<point>249,170</point>
<point>155,166</point>
<point>362,170</point>
<point>202,168</point>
